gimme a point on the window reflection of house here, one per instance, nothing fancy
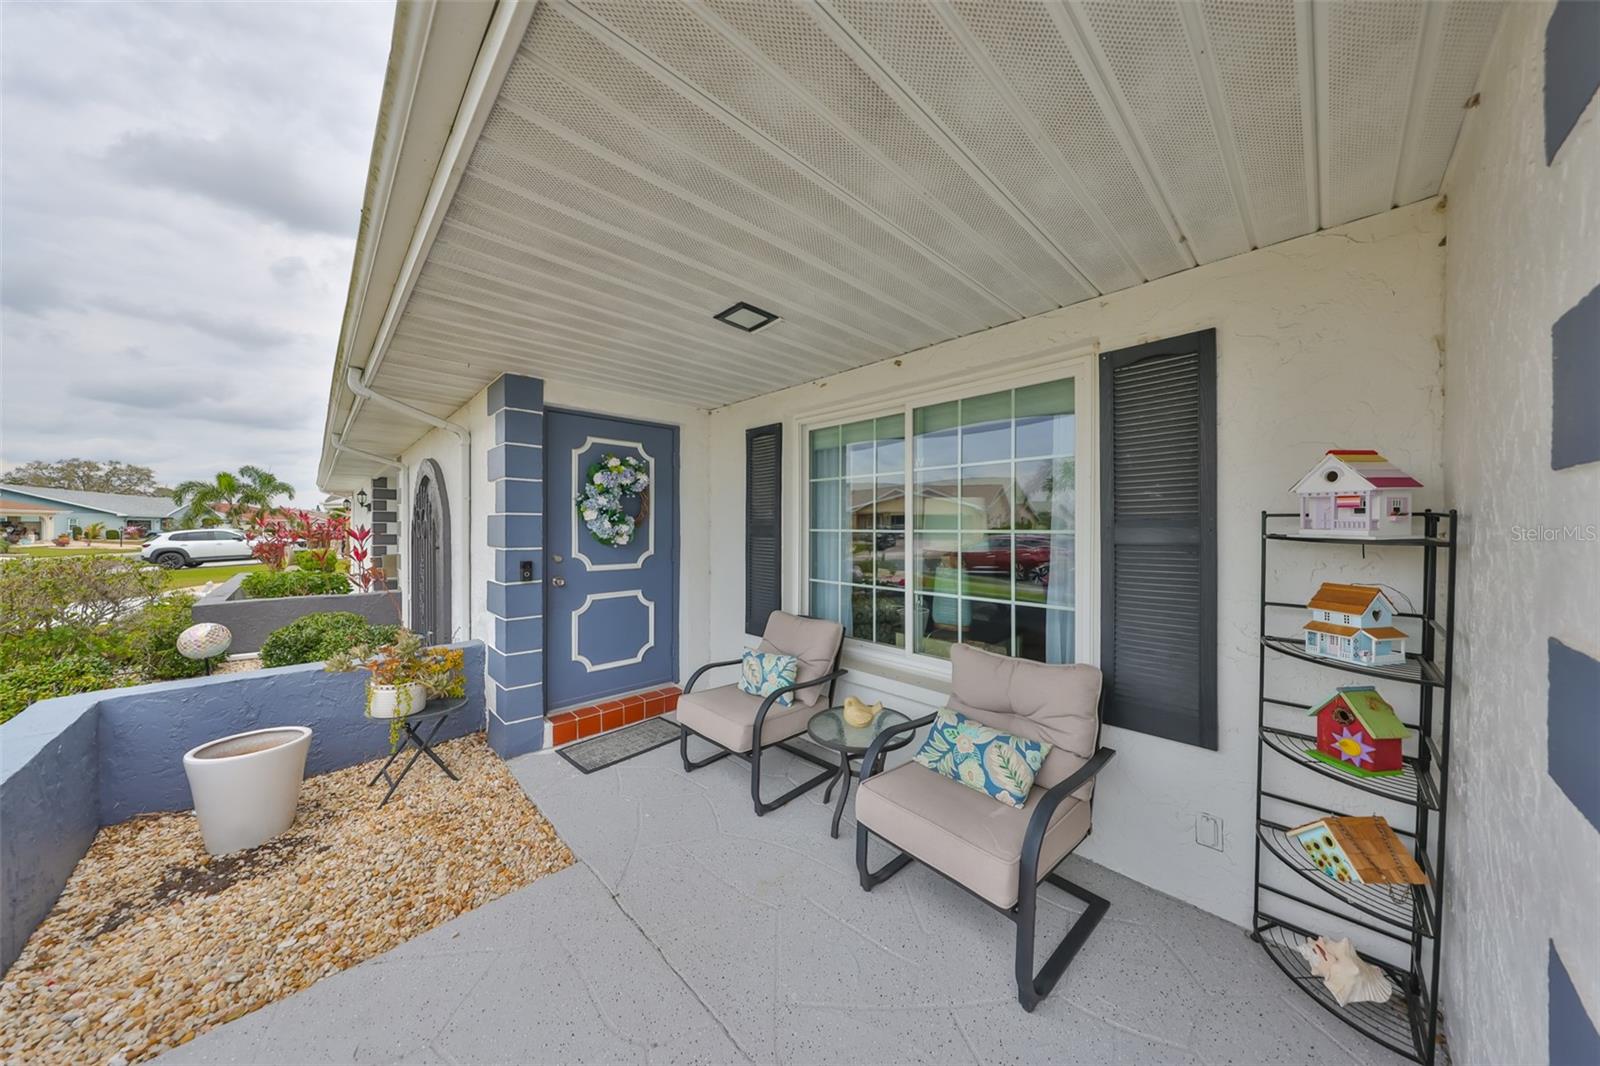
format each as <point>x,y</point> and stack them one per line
<point>979,503</point>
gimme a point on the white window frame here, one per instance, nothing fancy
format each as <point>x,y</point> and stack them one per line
<point>1077,362</point>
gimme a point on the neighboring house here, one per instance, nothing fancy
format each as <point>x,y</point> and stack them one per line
<point>114,510</point>
<point>1355,492</point>
<point>1156,245</point>
<point>244,517</point>
<point>26,520</point>
<point>1354,623</point>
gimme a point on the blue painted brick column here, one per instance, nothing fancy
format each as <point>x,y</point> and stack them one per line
<point>516,534</point>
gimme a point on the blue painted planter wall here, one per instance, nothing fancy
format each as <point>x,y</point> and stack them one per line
<point>69,766</point>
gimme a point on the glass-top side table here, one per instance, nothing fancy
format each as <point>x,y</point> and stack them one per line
<point>829,729</point>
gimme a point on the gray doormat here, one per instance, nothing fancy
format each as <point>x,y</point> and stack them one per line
<point>619,745</point>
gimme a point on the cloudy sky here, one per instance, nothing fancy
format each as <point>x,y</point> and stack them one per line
<point>180,186</point>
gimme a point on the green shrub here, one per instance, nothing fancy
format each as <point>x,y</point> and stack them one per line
<point>275,584</point>
<point>152,640</point>
<point>321,561</point>
<point>64,676</point>
<point>82,592</point>
<point>318,637</point>
<point>42,645</point>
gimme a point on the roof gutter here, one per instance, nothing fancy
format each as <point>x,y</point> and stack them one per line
<point>372,457</point>
<point>464,437</point>
<point>507,27</point>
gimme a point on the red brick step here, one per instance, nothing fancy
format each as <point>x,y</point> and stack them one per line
<point>581,723</point>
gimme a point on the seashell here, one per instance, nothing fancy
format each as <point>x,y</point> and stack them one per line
<point>1348,976</point>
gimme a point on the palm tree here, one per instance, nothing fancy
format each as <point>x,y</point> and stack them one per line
<point>201,496</point>
<point>252,487</point>
<point>261,488</point>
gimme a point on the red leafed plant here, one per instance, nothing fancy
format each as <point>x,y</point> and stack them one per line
<point>363,575</point>
<point>278,535</point>
<point>271,545</point>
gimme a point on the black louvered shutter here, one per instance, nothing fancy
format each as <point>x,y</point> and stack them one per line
<point>1158,537</point>
<point>763,525</point>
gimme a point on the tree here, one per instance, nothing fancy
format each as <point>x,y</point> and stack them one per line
<point>87,475</point>
<point>263,487</point>
<point>251,489</point>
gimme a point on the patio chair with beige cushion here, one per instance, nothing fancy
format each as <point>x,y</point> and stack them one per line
<point>998,853</point>
<point>731,719</point>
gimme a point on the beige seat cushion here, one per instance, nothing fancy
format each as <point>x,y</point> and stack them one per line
<point>814,642</point>
<point>727,715</point>
<point>1040,701</point>
<point>962,833</point>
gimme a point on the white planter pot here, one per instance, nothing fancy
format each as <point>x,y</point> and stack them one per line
<point>386,701</point>
<point>245,786</point>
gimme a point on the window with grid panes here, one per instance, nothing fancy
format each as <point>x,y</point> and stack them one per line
<point>858,528</point>
<point>967,537</point>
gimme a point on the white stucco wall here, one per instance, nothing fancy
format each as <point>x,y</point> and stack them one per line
<point>1329,340</point>
<point>469,618</point>
<point>1524,246</point>
<point>693,550</point>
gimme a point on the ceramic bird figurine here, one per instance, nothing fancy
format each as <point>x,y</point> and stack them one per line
<point>859,715</point>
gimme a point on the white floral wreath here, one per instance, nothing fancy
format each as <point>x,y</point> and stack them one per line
<point>608,483</point>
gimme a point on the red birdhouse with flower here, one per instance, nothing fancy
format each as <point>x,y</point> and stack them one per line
<point>1358,732</point>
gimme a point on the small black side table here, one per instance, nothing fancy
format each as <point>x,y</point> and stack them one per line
<point>438,712</point>
<point>829,729</point>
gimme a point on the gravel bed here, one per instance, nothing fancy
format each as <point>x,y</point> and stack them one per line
<point>154,941</point>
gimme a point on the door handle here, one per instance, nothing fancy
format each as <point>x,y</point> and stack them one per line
<point>559,582</point>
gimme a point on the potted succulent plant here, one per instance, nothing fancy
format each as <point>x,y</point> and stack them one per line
<point>404,676</point>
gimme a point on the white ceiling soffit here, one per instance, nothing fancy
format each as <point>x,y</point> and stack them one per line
<point>885,176</point>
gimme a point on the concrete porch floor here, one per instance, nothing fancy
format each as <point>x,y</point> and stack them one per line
<point>691,931</point>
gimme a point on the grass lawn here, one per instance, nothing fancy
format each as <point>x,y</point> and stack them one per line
<point>51,550</point>
<point>183,579</point>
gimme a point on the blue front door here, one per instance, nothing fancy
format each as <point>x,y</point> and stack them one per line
<point>611,611</point>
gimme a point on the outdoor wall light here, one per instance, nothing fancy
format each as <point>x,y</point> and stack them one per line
<point>361,498</point>
<point>747,317</point>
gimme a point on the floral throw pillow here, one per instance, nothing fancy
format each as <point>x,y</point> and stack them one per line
<point>761,673</point>
<point>997,764</point>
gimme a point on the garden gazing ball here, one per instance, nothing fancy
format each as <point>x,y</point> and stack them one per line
<point>204,640</point>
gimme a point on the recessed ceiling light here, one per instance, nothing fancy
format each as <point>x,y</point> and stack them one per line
<point>747,317</point>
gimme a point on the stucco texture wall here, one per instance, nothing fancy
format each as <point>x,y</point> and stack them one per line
<point>70,765</point>
<point>1329,340</point>
<point>1524,248</point>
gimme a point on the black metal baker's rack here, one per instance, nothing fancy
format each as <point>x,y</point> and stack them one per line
<point>1399,921</point>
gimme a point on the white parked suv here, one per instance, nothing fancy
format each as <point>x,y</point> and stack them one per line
<point>191,547</point>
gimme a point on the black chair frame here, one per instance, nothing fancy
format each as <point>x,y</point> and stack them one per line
<point>753,756</point>
<point>1031,987</point>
